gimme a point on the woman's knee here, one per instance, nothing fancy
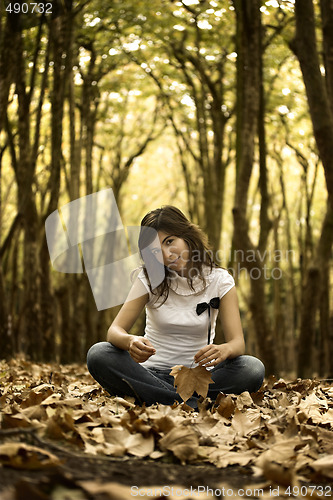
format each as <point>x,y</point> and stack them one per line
<point>104,354</point>
<point>96,354</point>
<point>255,373</point>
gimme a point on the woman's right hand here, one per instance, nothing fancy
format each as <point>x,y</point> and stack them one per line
<point>140,349</point>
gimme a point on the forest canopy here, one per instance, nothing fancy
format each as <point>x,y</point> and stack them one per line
<point>222,108</point>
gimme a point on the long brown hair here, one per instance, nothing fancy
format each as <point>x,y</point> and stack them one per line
<point>171,220</point>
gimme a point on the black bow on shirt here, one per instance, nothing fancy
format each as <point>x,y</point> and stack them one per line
<point>214,303</point>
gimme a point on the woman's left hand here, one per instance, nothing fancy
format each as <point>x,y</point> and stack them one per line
<point>212,354</point>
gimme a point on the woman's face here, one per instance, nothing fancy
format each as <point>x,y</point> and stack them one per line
<point>172,251</point>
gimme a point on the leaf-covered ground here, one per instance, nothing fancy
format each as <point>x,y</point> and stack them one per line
<point>62,437</point>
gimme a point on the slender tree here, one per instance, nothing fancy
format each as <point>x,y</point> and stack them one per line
<point>319,92</point>
<point>249,110</point>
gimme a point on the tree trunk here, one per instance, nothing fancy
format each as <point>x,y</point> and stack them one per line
<point>291,298</point>
<point>330,348</point>
<point>312,294</point>
<point>249,81</point>
<point>305,47</point>
<point>60,45</point>
<point>69,291</point>
<point>279,314</point>
<point>324,323</point>
<point>31,324</point>
<point>63,295</point>
<point>5,346</point>
<point>9,42</point>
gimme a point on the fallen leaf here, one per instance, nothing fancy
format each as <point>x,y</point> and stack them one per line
<point>223,457</point>
<point>25,456</point>
<point>246,422</point>
<point>140,446</point>
<point>226,405</point>
<point>17,420</point>
<point>244,401</point>
<point>324,466</point>
<point>183,442</point>
<point>190,380</point>
<point>277,473</point>
<point>37,395</point>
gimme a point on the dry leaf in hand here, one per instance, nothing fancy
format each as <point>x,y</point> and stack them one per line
<point>190,380</point>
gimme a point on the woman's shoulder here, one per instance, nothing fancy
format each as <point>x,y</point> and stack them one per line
<point>216,272</point>
<point>221,272</point>
<point>222,279</point>
<point>139,275</point>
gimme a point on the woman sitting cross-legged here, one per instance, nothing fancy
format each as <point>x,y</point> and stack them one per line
<point>183,292</point>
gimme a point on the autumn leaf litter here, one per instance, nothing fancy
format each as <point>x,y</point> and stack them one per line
<point>282,433</point>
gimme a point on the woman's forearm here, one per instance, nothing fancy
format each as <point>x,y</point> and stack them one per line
<point>118,332</point>
<point>237,347</point>
<point>119,337</point>
<point>139,348</point>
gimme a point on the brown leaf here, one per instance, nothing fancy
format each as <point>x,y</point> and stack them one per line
<point>183,443</point>
<point>324,466</point>
<point>322,436</point>
<point>222,457</point>
<point>279,474</point>
<point>226,405</point>
<point>164,424</point>
<point>12,421</point>
<point>244,400</point>
<point>61,426</point>
<point>205,427</point>
<point>245,423</point>
<point>190,380</point>
<point>292,453</point>
<point>37,395</point>
<point>119,441</point>
<point>24,456</point>
<point>139,445</point>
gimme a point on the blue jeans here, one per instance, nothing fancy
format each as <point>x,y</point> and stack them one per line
<point>120,375</point>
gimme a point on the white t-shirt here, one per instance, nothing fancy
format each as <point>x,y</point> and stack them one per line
<point>175,329</point>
